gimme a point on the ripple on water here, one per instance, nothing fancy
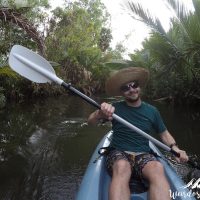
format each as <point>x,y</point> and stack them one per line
<point>61,187</point>
<point>70,127</point>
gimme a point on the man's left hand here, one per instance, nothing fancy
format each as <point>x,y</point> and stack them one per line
<point>183,155</point>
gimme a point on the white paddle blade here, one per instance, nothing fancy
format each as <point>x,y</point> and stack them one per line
<point>30,65</point>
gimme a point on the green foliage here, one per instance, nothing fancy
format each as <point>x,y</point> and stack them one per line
<point>75,32</point>
<point>6,71</point>
<point>76,38</point>
<point>18,88</point>
<point>173,56</point>
<point>11,33</point>
<point>17,26</point>
<point>13,84</point>
<point>78,33</point>
<point>105,39</point>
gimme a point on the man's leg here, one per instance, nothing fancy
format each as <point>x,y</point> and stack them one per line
<point>153,171</point>
<point>119,187</point>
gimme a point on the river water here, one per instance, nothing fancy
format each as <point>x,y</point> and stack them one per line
<point>45,145</point>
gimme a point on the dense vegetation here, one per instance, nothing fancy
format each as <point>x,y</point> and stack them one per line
<point>80,36</point>
<point>173,57</point>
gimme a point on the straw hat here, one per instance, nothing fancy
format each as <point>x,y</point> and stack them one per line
<point>125,76</point>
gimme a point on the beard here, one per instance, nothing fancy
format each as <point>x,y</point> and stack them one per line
<point>133,96</point>
<point>132,99</point>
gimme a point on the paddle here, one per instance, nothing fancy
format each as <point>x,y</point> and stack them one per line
<point>35,68</point>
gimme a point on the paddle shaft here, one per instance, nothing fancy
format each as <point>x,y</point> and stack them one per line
<point>119,119</point>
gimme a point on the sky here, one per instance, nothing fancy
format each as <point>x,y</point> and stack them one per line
<point>122,24</point>
<point>124,28</point>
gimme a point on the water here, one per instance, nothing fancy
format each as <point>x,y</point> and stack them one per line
<point>45,146</point>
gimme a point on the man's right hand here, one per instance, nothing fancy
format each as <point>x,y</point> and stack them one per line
<point>107,110</point>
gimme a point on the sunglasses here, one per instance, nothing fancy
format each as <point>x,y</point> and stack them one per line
<point>126,88</point>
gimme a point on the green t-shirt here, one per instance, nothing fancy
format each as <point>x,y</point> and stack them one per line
<point>145,117</point>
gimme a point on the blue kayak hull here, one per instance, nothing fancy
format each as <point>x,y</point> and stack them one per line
<point>95,183</point>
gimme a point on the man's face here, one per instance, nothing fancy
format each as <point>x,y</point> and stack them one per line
<point>131,91</point>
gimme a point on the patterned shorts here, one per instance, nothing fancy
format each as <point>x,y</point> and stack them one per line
<point>137,162</point>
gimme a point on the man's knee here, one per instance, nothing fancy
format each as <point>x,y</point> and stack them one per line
<point>121,168</point>
<point>153,170</point>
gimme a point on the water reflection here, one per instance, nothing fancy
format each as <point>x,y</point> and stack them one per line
<point>45,146</point>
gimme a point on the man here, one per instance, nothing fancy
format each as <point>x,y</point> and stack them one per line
<point>130,154</point>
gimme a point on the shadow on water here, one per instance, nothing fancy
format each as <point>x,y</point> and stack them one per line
<point>45,146</point>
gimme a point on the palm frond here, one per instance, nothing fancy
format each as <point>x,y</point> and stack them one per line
<point>181,17</point>
<point>9,15</point>
<point>186,24</point>
<point>138,13</point>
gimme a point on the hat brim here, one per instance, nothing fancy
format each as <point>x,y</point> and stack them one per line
<point>125,76</point>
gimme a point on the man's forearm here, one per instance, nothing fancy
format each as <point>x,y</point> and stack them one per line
<point>95,117</point>
<point>167,138</point>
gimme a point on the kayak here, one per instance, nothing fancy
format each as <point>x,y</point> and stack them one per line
<point>95,183</point>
